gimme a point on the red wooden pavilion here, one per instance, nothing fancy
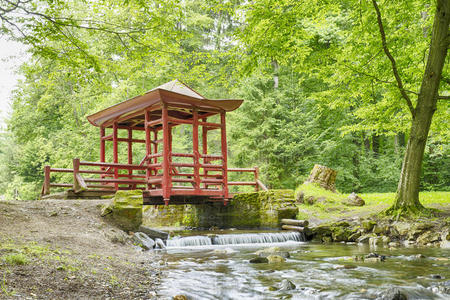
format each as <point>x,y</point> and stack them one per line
<point>164,175</point>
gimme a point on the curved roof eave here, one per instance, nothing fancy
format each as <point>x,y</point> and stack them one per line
<point>154,96</point>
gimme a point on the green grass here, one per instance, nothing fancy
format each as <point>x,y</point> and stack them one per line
<point>15,259</point>
<point>310,189</point>
<point>426,198</point>
<point>375,203</point>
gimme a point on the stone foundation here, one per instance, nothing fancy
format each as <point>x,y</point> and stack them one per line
<point>262,210</point>
<point>125,210</point>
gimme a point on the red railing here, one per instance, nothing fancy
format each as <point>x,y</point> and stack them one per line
<point>81,183</point>
<point>110,178</point>
<point>257,183</point>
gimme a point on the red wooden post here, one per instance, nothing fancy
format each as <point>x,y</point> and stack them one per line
<point>102,148</point>
<point>195,149</point>
<point>148,149</point>
<point>205,148</point>
<point>223,132</point>
<point>102,144</point>
<point>256,178</point>
<point>46,187</point>
<point>130,154</point>
<point>115,155</point>
<point>166,182</point>
<point>76,169</point>
<point>155,145</point>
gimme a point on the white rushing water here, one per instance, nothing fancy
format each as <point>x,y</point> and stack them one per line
<point>258,238</point>
<point>236,239</point>
<point>196,240</point>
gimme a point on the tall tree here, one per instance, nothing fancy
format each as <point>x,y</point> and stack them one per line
<point>407,198</point>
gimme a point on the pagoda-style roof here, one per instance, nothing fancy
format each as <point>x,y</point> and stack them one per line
<point>173,93</point>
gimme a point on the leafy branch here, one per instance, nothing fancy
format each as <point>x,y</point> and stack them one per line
<point>393,62</point>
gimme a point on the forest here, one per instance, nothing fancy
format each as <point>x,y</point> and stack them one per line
<point>317,82</point>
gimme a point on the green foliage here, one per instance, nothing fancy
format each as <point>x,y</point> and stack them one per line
<point>335,103</point>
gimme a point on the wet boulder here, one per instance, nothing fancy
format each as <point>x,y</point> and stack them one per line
<point>272,251</point>
<point>374,257</point>
<point>258,260</point>
<point>143,241</point>
<point>354,236</point>
<point>368,225</point>
<point>380,229</point>
<point>375,241</point>
<point>393,294</point>
<point>117,236</point>
<point>287,285</point>
<point>340,234</point>
<point>441,287</point>
<point>273,259</point>
<point>154,233</point>
<point>428,237</point>
<point>365,238</point>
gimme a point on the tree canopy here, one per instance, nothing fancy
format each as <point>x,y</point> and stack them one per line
<point>316,80</point>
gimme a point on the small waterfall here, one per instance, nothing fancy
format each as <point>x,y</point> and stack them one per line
<point>234,239</point>
<point>258,238</point>
<point>196,240</point>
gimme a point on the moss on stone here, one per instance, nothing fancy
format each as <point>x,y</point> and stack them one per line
<point>246,210</point>
<point>125,211</point>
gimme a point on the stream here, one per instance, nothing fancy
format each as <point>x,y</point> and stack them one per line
<point>217,267</point>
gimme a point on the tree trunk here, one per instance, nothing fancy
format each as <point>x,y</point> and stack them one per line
<point>376,139</point>
<point>407,198</point>
<point>324,177</point>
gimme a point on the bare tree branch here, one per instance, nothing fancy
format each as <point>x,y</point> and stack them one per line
<point>443,97</point>
<point>391,58</point>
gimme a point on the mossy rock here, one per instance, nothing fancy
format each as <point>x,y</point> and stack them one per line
<point>125,211</point>
<point>321,230</point>
<point>340,234</point>
<point>368,225</point>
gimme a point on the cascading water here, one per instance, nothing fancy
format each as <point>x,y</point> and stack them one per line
<point>258,238</point>
<point>235,239</point>
<point>196,240</point>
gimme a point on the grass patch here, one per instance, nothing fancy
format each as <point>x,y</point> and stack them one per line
<point>333,209</point>
<point>15,259</point>
<point>426,198</point>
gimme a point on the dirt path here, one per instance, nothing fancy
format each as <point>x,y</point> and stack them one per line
<point>62,249</point>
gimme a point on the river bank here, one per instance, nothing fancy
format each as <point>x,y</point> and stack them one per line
<point>63,249</point>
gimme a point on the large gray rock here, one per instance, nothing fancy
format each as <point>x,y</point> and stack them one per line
<point>142,240</point>
<point>258,260</point>
<point>117,236</point>
<point>393,294</point>
<point>354,200</point>
<point>272,251</point>
<point>429,237</point>
<point>274,259</point>
<point>287,285</point>
<point>402,227</point>
<point>154,233</point>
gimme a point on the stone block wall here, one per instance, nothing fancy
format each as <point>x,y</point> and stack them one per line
<point>253,210</point>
